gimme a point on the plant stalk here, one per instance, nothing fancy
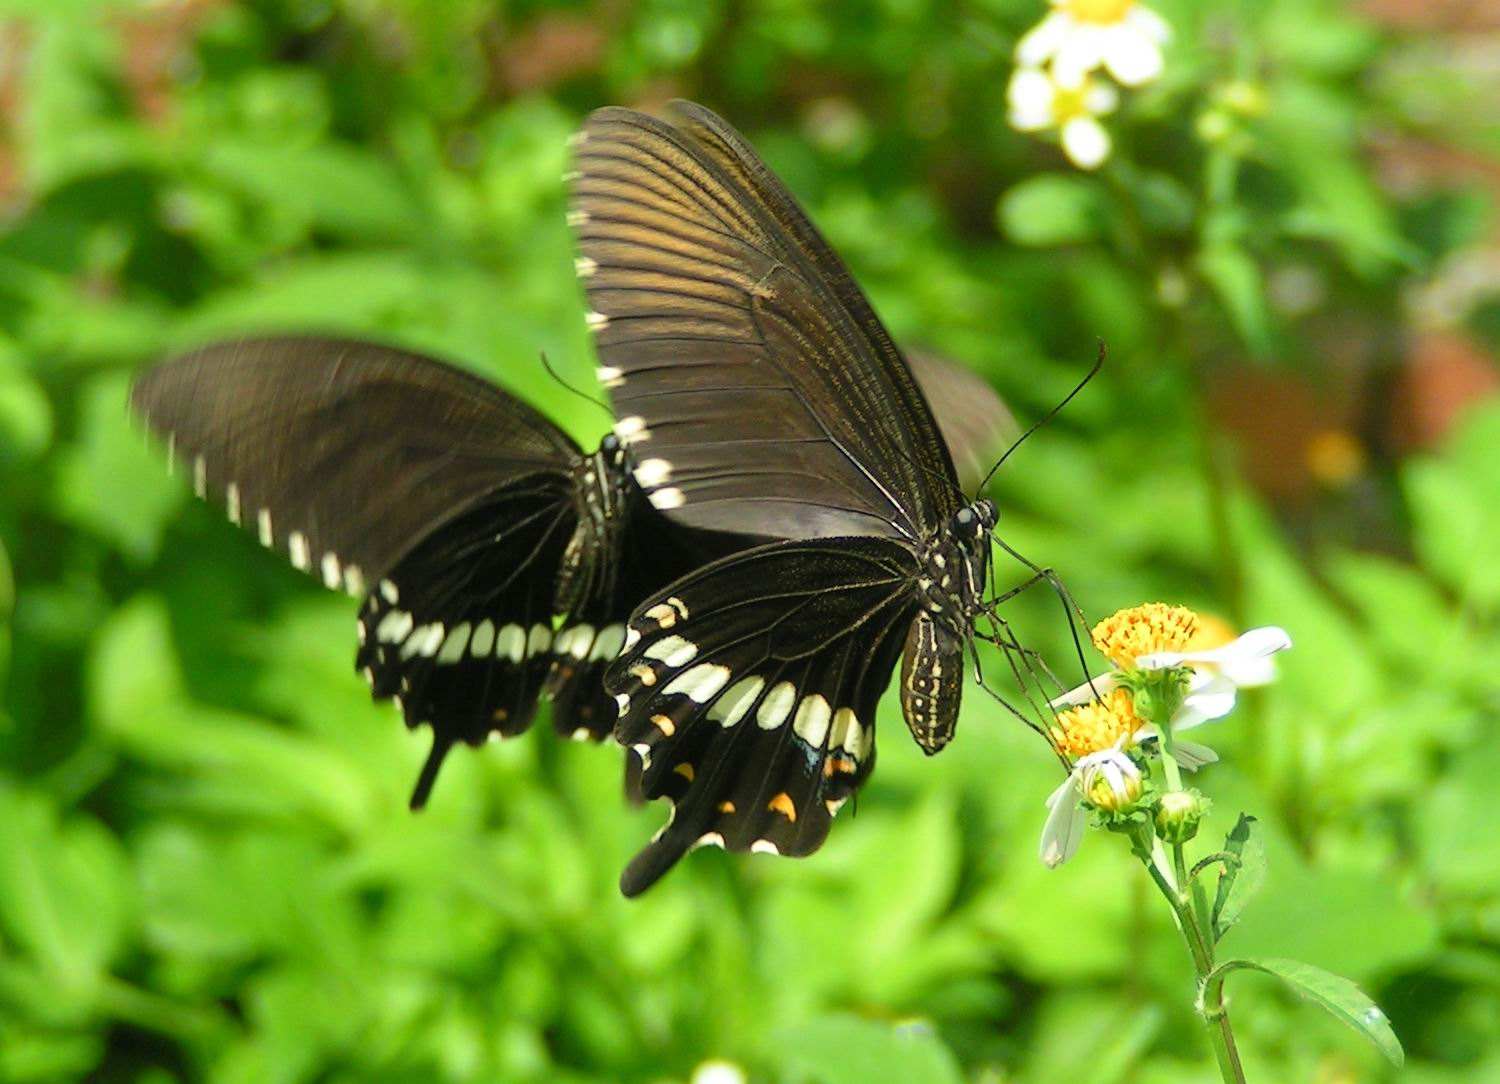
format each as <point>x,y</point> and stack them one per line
<point>1190,904</point>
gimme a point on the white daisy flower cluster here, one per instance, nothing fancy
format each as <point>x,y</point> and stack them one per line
<point>1099,731</point>
<point>1060,84</point>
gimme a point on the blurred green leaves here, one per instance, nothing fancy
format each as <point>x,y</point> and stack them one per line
<point>207,870</point>
<point>1053,209</point>
<point>111,481</point>
<point>835,1049</point>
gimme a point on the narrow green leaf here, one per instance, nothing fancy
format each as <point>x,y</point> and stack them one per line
<point>1236,278</point>
<point>1240,880</point>
<point>1333,993</point>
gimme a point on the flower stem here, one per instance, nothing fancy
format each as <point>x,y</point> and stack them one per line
<point>1190,904</point>
<point>1210,997</point>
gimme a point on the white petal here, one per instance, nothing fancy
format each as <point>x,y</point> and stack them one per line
<point>1063,789</point>
<point>1131,57</point>
<point>1191,756</point>
<point>1209,696</point>
<point>1086,142</point>
<point>1149,23</point>
<point>1250,673</point>
<point>1258,643</point>
<point>1093,689</point>
<point>1064,828</point>
<point>1032,97</point>
<point>1080,53</point>
<point>1101,98</point>
<point>1042,41</point>
<point>1117,770</point>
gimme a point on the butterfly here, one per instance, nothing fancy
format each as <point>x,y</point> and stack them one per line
<point>495,559</point>
<point>750,372</point>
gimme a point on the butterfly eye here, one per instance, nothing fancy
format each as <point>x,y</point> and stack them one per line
<point>987,512</point>
<point>610,444</point>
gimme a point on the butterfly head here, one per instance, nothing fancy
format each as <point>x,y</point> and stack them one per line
<point>973,523</point>
<point>612,451</point>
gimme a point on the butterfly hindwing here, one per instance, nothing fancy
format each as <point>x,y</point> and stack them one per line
<point>748,692</point>
<point>651,552</point>
<point>459,633</point>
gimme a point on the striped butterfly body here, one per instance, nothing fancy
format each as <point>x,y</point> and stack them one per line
<point>495,559</point>
<point>749,366</point>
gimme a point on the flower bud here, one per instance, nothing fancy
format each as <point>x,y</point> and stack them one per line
<point>1214,126</point>
<point>1178,813</point>
<point>1111,783</point>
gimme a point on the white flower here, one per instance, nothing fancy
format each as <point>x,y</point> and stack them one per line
<point>1217,673</point>
<point>1078,36</point>
<point>1038,102</point>
<point>1108,779</point>
<point>718,1072</point>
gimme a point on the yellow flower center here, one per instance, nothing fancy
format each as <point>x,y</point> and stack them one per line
<point>1125,636</point>
<point>1096,726</point>
<point>1097,11</point>
<point>1070,103</point>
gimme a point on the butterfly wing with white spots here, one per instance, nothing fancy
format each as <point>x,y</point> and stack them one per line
<point>753,712</point>
<point>763,396</point>
<point>340,454</point>
<point>464,517</point>
<point>760,392</point>
<point>459,632</point>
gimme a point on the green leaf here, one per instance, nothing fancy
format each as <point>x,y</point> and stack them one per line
<point>25,417</point>
<point>111,482</point>
<point>65,890</point>
<point>1334,994</point>
<point>834,1049</point>
<point>1458,823</point>
<point>344,190</point>
<point>1234,276</point>
<point>1052,210</point>
<point>1239,881</point>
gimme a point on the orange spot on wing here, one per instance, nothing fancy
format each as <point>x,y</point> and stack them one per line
<point>784,805</point>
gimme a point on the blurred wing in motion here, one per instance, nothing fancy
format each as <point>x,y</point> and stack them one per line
<point>443,500</point>
<point>975,422</point>
<point>341,454</point>
<point>748,692</point>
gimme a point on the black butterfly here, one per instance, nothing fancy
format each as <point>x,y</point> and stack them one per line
<point>465,519</point>
<point>749,367</point>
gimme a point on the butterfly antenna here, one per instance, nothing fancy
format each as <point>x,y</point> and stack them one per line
<point>553,373</point>
<point>1093,372</point>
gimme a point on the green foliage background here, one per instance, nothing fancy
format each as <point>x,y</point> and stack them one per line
<point>207,870</point>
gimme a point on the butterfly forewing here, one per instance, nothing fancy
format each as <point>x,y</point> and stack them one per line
<point>341,454</point>
<point>759,390</point>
